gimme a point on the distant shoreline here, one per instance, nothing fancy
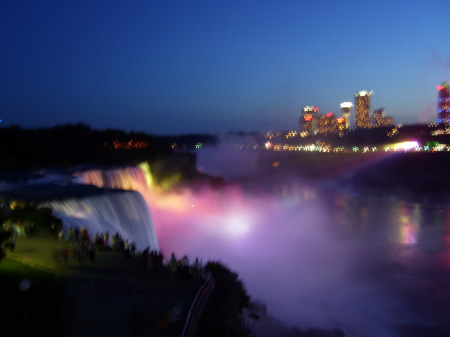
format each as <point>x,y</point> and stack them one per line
<point>403,174</point>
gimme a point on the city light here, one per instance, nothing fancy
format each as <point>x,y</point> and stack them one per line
<point>443,108</point>
<point>346,105</point>
<point>362,109</point>
<point>364,93</point>
<point>405,146</point>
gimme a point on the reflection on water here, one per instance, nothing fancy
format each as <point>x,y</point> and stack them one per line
<point>407,245</point>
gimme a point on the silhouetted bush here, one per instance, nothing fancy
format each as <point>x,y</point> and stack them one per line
<point>223,314</point>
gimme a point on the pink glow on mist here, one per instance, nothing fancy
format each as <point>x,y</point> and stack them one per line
<point>280,244</point>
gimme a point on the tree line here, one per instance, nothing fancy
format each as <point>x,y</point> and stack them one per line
<point>65,146</point>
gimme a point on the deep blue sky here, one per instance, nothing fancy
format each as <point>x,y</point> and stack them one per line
<point>169,67</point>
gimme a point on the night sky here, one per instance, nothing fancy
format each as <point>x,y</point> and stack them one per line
<point>178,67</point>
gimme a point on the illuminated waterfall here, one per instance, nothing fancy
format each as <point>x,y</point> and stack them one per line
<point>135,178</point>
<point>138,178</point>
<point>125,212</point>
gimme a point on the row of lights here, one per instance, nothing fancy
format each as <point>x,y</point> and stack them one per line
<point>412,146</point>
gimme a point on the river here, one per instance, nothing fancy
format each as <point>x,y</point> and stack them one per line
<point>323,256</point>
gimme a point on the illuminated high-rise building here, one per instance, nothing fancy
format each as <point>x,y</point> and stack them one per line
<point>345,109</point>
<point>362,109</point>
<point>443,115</point>
<point>340,126</point>
<point>380,120</point>
<point>308,120</point>
<point>327,124</point>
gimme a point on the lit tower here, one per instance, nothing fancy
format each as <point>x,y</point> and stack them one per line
<point>443,103</point>
<point>345,109</point>
<point>362,109</point>
<point>308,120</point>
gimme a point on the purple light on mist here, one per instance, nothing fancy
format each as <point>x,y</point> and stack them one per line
<point>286,254</point>
<point>284,243</point>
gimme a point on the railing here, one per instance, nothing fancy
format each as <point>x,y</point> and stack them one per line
<point>197,306</point>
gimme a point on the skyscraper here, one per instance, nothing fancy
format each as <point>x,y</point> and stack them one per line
<point>308,120</point>
<point>443,114</point>
<point>327,124</point>
<point>362,109</point>
<point>379,119</point>
<point>345,109</point>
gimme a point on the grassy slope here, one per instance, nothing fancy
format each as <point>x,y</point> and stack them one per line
<point>56,302</point>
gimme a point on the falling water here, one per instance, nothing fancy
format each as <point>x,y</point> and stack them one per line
<point>123,212</point>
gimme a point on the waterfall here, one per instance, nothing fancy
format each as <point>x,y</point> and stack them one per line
<point>134,178</point>
<point>125,212</point>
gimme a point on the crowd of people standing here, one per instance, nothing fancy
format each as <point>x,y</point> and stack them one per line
<point>83,247</point>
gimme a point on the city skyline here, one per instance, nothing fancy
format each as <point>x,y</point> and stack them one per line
<point>201,67</point>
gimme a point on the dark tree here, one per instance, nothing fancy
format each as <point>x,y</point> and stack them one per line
<point>223,314</point>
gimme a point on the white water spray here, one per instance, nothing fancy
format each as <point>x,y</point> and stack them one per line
<point>122,212</point>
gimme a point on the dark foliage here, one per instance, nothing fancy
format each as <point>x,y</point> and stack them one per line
<point>5,242</point>
<point>35,219</point>
<point>6,236</point>
<point>75,144</point>
<point>223,314</point>
<point>70,145</point>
